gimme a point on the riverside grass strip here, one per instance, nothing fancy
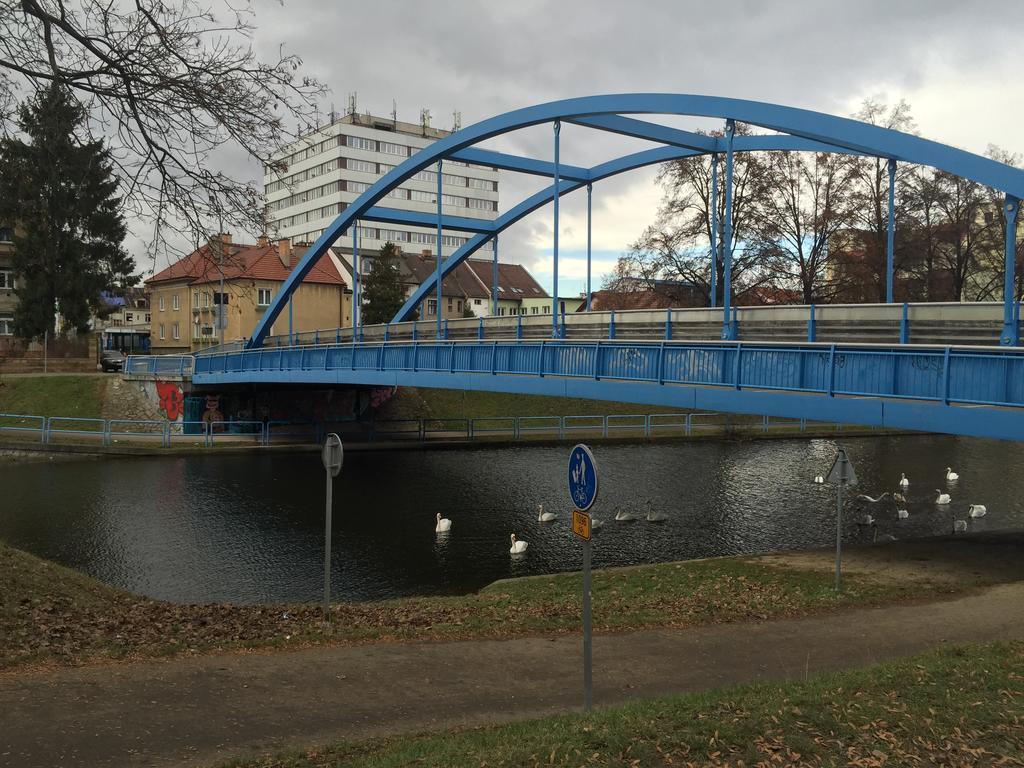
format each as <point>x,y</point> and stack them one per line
<point>51,614</point>
<point>959,706</point>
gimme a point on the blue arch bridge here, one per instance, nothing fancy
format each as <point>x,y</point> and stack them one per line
<point>942,368</point>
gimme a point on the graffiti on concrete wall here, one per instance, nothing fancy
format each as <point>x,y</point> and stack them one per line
<point>212,414</point>
<point>171,400</point>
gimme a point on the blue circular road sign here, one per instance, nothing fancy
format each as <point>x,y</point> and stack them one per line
<point>582,477</point>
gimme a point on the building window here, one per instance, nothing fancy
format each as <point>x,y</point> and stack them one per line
<point>148,317</point>
<point>6,279</point>
<point>206,299</point>
<point>358,187</point>
<point>206,330</point>
<point>449,303</point>
<point>176,330</point>
<point>477,302</point>
<point>128,317</point>
<point>363,166</point>
<point>358,142</point>
<point>390,148</point>
<point>6,235</point>
<point>263,296</point>
<point>163,335</point>
<point>195,298</point>
<point>421,196</point>
<point>501,310</point>
<point>533,310</point>
<point>547,309</point>
<point>161,305</point>
<point>175,304</point>
<point>6,325</point>
<point>485,184</point>
<point>431,307</point>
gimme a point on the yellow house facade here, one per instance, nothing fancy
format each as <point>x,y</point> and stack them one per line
<point>186,300</point>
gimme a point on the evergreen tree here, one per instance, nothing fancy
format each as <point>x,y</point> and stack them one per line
<point>383,292</point>
<point>60,194</point>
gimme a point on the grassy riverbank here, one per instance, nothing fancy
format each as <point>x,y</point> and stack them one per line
<point>58,395</point>
<point>49,613</point>
<point>955,707</point>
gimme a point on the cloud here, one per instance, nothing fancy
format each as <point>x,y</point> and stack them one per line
<point>958,68</point>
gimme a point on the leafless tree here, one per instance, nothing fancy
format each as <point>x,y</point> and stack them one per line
<point>168,84</point>
<point>677,246</point>
<point>871,195</point>
<point>806,202</point>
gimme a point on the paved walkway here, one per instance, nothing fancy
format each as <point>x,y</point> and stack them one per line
<point>203,711</point>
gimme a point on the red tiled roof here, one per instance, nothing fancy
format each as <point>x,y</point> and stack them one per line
<point>459,282</point>
<point>253,262</point>
<point>514,281</point>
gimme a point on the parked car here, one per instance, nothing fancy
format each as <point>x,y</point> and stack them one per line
<point>111,360</point>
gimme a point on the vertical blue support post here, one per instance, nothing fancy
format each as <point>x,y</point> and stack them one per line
<point>387,332</point>
<point>714,229</point>
<point>590,194</point>
<point>494,279</point>
<point>446,328</point>
<point>905,326</point>
<point>356,300</point>
<point>554,245</point>
<point>728,329</point>
<point>611,326</point>
<point>440,179</point>
<point>812,326</point>
<point>519,326</point>
<point>668,324</point>
<point>480,329</point>
<point>1010,336</point>
<point>891,233</point>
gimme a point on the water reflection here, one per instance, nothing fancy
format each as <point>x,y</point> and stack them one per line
<point>250,528</point>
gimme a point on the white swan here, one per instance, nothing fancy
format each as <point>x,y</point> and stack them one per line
<point>951,476</point>
<point>977,510</point>
<point>443,524</point>
<point>902,514</point>
<point>819,479</point>
<point>624,517</point>
<point>544,517</point>
<point>959,526</point>
<point>655,517</point>
<point>942,498</point>
<point>867,498</point>
<point>518,547</point>
<point>903,481</point>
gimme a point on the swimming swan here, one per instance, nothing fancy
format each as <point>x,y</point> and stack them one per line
<point>544,517</point>
<point>959,526</point>
<point>655,517</point>
<point>951,476</point>
<point>902,514</point>
<point>819,479</point>
<point>443,524</point>
<point>624,517</point>
<point>903,481</point>
<point>977,510</point>
<point>518,547</point>
<point>942,498</point>
<point>867,498</point>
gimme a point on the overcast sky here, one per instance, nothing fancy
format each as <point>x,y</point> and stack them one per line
<point>957,63</point>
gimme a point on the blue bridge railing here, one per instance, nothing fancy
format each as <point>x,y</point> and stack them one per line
<point>981,375</point>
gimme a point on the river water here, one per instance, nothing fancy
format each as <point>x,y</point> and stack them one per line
<point>249,528</point>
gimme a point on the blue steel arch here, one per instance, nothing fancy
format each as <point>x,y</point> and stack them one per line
<point>806,129</point>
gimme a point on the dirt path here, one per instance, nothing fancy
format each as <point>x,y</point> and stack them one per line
<point>203,711</point>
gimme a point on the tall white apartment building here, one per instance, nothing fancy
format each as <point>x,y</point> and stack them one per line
<point>328,168</point>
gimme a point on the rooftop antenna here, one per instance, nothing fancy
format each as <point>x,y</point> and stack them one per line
<point>352,103</point>
<point>425,119</point>
<point>456,121</point>
<point>394,113</point>
<point>334,115</point>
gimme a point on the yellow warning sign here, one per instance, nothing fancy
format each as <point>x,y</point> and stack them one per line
<point>581,524</point>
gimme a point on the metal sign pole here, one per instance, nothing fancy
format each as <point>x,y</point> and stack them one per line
<point>839,535</point>
<point>588,672</point>
<point>327,546</point>
<point>582,477</point>
<point>333,456</point>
